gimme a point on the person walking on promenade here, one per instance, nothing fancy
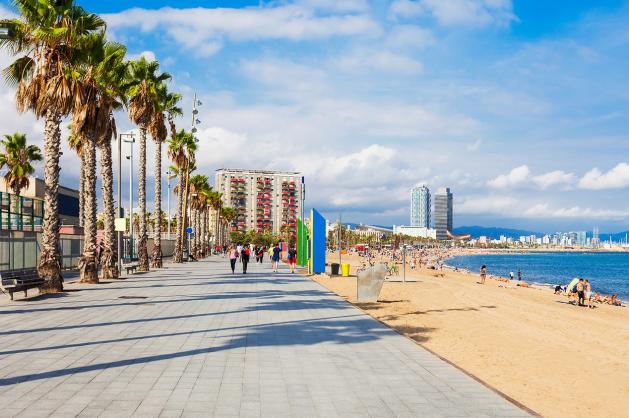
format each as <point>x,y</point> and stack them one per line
<point>275,257</point>
<point>483,274</point>
<point>233,257</point>
<point>262,251</point>
<point>244,257</point>
<point>292,258</point>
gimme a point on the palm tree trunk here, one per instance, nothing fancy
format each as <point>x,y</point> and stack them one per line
<point>143,256</point>
<point>109,258</point>
<point>197,233</point>
<point>178,253</point>
<point>81,190</point>
<point>156,261</point>
<point>87,264</point>
<point>49,267</point>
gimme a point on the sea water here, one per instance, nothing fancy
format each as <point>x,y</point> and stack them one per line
<point>607,272</point>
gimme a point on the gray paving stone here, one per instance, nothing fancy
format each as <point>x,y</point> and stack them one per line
<point>201,342</point>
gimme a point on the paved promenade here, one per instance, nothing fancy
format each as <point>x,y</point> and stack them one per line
<point>195,340</point>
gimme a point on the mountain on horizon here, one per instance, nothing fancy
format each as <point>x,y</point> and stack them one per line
<point>494,232</point>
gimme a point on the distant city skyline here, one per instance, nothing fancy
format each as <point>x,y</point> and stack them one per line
<point>520,106</point>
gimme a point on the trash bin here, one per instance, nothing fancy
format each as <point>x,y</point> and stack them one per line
<point>184,255</point>
<point>335,269</point>
<point>345,269</point>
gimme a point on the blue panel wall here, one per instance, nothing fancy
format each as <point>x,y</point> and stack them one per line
<point>317,242</point>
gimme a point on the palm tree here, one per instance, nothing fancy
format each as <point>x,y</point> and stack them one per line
<point>167,103</point>
<point>198,188</point>
<point>99,72</point>
<point>181,149</point>
<point>144,83</point>
<point>228,214</point>
<point>18,158</point>
<point>74,141</point>
<point>216,202</point>
<point>45,37</point>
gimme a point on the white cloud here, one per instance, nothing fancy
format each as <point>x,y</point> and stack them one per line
<point>470,13</point>
<point>406,9</point>
<point>543,210</point>
<point>616,178</point>
<point>6,13</point>
<point>474,146</point>
<point>194,28</point>
<point>409,38</point>
<point>553,178</point>
<point>515,177</point>
<point>148,55</point>
<point>336,5</point>
<point>490,204</point>
<point>368,60</point>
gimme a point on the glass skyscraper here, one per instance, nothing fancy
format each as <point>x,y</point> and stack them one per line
<point>443,213</point>
<point>420,206</point>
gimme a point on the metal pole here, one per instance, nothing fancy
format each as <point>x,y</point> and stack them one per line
<point>119,234</point>
<point>168,217</point>
<point>404,262</point>
<point>131,203</point>
<point>339,241</point>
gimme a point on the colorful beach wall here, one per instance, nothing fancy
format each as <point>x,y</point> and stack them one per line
<point>311,243</point>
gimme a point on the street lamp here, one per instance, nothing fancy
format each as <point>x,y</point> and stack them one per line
<point>169,175</point>
<point>120,213</point>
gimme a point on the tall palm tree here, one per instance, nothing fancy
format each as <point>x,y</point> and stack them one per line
<point>18,157</point>
<point>112,76</point>
<point>198,189</point>
<point>100,72</point>
<point>181,149</point>
<point>75,143</point>
<point>228,214</point>
<point>144,83</point>
<point>216,203</point>
<point>45,37</point>
<point>166,104</point>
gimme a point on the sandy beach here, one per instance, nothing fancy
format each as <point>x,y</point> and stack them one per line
<point>555,358</point>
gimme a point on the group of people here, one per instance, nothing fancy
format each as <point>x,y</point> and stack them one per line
<point>581,290</point>
<point>243,253</point>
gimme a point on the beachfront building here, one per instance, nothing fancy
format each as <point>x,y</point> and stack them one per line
<point>263,200</point>
<point>420,206</point>
<point>415,231</point>
<point>443,213</point>
<point>32,202</point>
<point>378,232</point>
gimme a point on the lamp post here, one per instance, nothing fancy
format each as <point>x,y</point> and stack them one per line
<point>130,141</point>
<point>120,214</point>
<point>168,176</point>
<point>196,102</point>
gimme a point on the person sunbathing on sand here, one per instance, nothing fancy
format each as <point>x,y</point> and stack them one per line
<point>598,298</point>
<point>523,284</point>
<point>614,300</point>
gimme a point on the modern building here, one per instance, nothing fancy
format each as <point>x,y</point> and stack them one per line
<point>415,231</point>
<point>378,232</point>
<point>443,213</point>
<point>263,200</point>
<point>420,206</point>
<point>68,200</point>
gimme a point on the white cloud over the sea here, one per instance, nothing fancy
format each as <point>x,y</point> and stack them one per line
<point>616,178</point>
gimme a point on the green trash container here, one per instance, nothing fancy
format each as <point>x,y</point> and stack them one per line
<point>345,269</point>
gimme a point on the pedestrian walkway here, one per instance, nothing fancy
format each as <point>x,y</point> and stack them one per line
<point>195,340</point>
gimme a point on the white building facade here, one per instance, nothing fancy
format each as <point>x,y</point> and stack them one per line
<point>415,231</point>
<point>263,200</point>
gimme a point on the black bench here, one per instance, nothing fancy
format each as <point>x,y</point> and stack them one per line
<point>130,264</point>
<point>20,280</point>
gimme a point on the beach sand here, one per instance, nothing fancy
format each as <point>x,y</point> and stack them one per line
<point>555,358</point>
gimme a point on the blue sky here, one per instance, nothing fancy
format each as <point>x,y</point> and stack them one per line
<point>521,107</point>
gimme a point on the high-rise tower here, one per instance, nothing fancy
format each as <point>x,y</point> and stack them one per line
<point>420,206</point>
<point>443,213</point>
